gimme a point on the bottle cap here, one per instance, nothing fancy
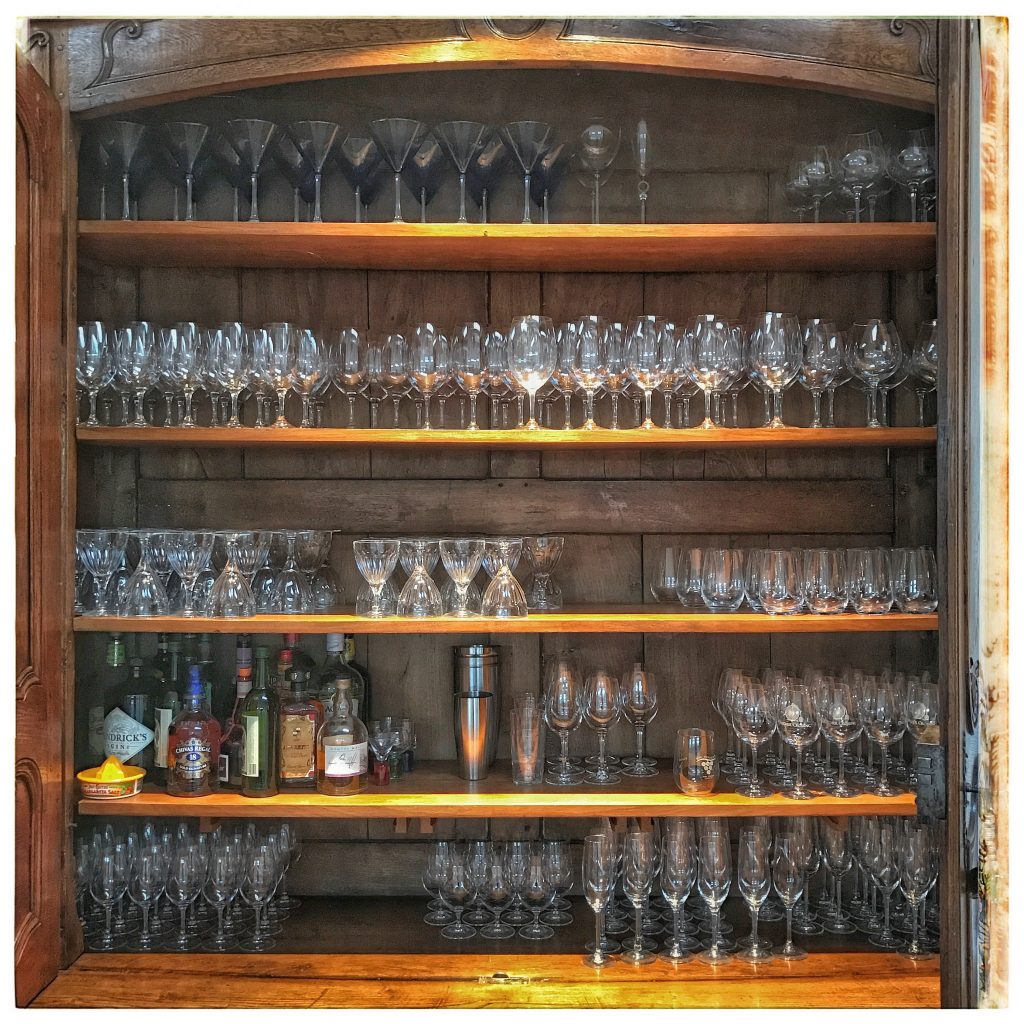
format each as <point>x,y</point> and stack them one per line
<point>195,687</point>
<point>291,639</point>
<point>262,652</point>
<point>335,643</point>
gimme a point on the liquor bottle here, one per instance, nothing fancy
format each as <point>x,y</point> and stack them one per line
<point>339,665</point>
<point>259,731</point>
<point>341,755</point>
<point>108,680</point>
<point>300,719</point>
<point>232,746</point>
<point>128,726</point>
<point>283,673</point>
<point>300,659</point>
<point>193,746</point>
<point>168,702</point>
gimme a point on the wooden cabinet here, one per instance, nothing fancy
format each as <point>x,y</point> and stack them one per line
<point>729,97</point>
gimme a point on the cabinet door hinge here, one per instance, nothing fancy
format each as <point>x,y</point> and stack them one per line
<point>931,780</point>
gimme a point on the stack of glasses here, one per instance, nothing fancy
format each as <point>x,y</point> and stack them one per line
<point>420,597</point>
<point>214,573</point>
<point>824,581</point>
<point>174,881</point>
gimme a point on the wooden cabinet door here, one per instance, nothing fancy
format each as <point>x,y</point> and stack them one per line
<point>41,504</point>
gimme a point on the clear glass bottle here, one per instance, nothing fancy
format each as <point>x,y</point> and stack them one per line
<point>107,680</point>
<point>168,703</point>
<point>337,665</point>
<point>341,756</point>
<point>300,719</point>
<point>259,731</point>
<point>193,746</point>
<point>128,726</point>
<point>233,744</point>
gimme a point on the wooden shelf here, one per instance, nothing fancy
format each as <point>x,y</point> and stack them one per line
<point>553,247</point>
<point>434,790</point>
<point>553,440</point>
<point>487,980</point>
<point>654,618</point>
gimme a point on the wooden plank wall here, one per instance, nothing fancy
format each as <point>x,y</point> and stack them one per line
<point>617,510</point>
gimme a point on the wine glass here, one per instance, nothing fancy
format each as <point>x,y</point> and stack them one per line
<point>913,164</point>
<point>601,709</point>
<point>837,850</point>
<point>714,871</point>
<point>649,353</point>
<point>880,859</point>
<point>257,888</point>
<point>376,561</point>
<point>428,365</point>
<point>94,368</point>
<point>874,354</point>
<point>754,723</point>
<point>314,140</point>
<point>107,886</point>
<point>918,867</point>
<point>711,354</point>
<point>396,138</point>
<point>250,138</point>
<point>861,168</point>
<point>558,870</point>
<point>563,712</point>
<point>185,876</point>
<point>218,888</point>
<point>147,877</point>
<point>818,170</point>
<point>787,880</point>
<point>102,552</point>
<point>798,724</point>
<point>924,363</point>
<point>678,872</point>
<point>438,856</point>
<point>776,353</point>
<point>590,365</point>
<point>135,357</point>
<point>532,353</point>
<point>639,702</point>
<point>839,718</point>
<point>458,891</point>
<point>359,160</point>
<point>469,363</point>
<point>598,883</point>
<point>823,357</point>
<point>597,145</point>
<point>882,713</point>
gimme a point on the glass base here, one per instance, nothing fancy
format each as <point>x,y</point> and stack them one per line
<point>639,771</point>
<point>841,926</point>
<point>439,918</point>
<point>536,932</point>
<point>718,955</point>
<point>558,918</point>
<point>222,945</point>
<point>791,953</point>
<point>637,957</point>
<point>497,930</point>
<point>756,954</point>
<point>806,926</point>
<point>675,955</point>
<point>885,941</point>
<point>478,917</point>
<point>458,931</point>
<point>516,917</point>
<point>607,945</point>
<point>571,778</point>
<point>257,944</point>
<point>918,954</point>
<point>601,778</point>
<point>597,962</point>
<point>803,793</point>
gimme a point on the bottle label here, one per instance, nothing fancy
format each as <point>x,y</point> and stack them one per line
<point>163,718</point>
<point>97,731</point>
<point>342,761</point>
<point>123,736</point>
<point>298,746</point>
<point>334,643</point>
<point>223,768</point>
<point>251,751</point>
<point>192,760</point>
<point>350,648</point>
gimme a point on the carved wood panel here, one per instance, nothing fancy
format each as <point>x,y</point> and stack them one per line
<point>41,623</point>
<point>127,62</point>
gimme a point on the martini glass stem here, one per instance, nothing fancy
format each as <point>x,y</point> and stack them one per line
<point>359,204</point>
<point>254,206</point>
<point>189,180</point>
<point>462,198</point>
<point>526,200</point>
<point>317,180</point>
<point>398,199</point>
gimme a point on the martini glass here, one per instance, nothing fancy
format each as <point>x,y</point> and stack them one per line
<point>359,159</point>
<point>314,140</point>
<point>397,137</point>
<point>98,162</point>
<point>229,163</point>
<point>125,144</point>
<point>527,140</point>
<point>462,140</point>
<point>548,174</point>
<point>292,164</point>
<point>484,170</point>
<point>251,138</point>
<point>184,141</point>
<point>423,174</point>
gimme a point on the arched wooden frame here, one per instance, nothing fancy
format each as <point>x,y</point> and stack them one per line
<point>126,63</point>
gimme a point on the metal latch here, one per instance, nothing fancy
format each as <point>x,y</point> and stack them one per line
<point>501,978</point>
<point>931,780</point>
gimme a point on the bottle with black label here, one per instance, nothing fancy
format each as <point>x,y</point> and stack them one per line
<point>300,719</point>
<point>128,726</point>
<point>193,746</point>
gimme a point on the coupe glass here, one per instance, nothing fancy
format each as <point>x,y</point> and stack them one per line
<point>775,351</point>
<point>527,140</point>
<point>102,552</point>
<point>596,148</point>
<point>376,561</point>
<point>503,597</point>
<point>532,353</point>
<point>650,349</point>
<point>251,137</point>
<point>542,554</point>
<point>462,559</point>
<point>94,368</point>
<point>314,140</point>
<point>563,711</point>
<point>231,596</point>
<point>638,698</point>
<point>874,354</point>
<point>144,594</point>
<point>397,138</point>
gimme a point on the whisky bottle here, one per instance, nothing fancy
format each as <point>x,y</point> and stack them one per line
<point>300,719</point>
<point>259,732</point>
<point>339,665</point>
<point>233,744</point>
<point>341,756</point>
<point>193,746</point>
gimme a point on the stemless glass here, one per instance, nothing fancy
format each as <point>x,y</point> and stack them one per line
<point>723,583</point>
<point>532,352</point>
<point>780,588</point>
<point>376,561</point>
<point>915,580</point>
<point>638,698</point>
<point>695,765</point>
<point>871,585</point>
<point>689,578</point>
<point>826,582</point>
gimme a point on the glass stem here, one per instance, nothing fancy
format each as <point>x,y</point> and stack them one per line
<point>188,196</point>
<point>816,404</point>
<point>94,392</point>
<point>526,198</point>
<point>789,927</point>
<point>108,910</point>
<point>533,398</point>
<point>472,411</point>
<point>598,933</point>
<point>638,942</point>
<point>462,198</point>
<point>639,743</point>
<point>305,411</point>
<point>254,206</point>
<point>753,927</point>
<point>715,928</point>
<point>398,199</point>
<point>831,407</point>
<point>602,739</point>
<point>708,422</point>
<point>317,217</point>
<point>126,210</point>
<point>615,410</point>
<point>884,783</point>
<point>648,402</point>
<point>563,737</point>
<point>359,204</point>
<point>799,769</point>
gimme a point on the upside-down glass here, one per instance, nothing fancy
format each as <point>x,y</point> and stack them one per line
<point>189,553</point>
<point>376,561</point>
<point>232,596</point>
<point>144,594</point>
<point>462,559</point>
<point>504,597</point>
<point>543,553</point>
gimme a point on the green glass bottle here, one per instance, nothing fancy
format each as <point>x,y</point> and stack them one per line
<point>259,731</point>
